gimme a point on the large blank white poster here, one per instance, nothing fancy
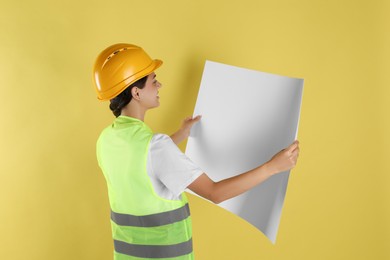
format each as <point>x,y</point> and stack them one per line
<point>247,117</point>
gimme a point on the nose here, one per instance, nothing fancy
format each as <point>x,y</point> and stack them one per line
<point>159,85</point>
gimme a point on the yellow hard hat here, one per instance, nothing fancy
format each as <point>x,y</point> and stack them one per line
<point>120,65</point>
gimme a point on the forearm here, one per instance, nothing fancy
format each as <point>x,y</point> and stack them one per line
<point>239,184</point>
<point>234,186</point>
<point>178,137</point>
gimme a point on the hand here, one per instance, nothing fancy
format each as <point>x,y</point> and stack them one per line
<point>284,160</point>
<point>184,131</point>
<point>187,124</point>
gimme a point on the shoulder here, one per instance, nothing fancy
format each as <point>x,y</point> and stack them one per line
<point>157,137</point>
<point>161,140</point>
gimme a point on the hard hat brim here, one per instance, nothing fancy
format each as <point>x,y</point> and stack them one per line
<point>121,86</point>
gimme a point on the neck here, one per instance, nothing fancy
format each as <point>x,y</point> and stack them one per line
<point>134,110</point>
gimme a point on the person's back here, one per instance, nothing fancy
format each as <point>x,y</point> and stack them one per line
<point>143,224</point>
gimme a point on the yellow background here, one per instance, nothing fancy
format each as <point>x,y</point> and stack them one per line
<point>53,196</point>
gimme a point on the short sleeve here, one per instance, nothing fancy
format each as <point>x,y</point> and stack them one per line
<point>170,166</point>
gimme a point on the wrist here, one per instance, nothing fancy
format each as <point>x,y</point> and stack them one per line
<point>184,132</point>
<point>268,167</point>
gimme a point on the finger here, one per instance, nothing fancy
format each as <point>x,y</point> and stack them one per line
<point>189,123</point>
<point>293,146</point>
<point>197,118</point>
<point>193,118</point>
<point>296,149</point>
<point>295,154</point>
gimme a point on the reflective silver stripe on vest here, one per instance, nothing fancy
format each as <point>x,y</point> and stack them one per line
<point>153,251</point>
<point>153,220</point>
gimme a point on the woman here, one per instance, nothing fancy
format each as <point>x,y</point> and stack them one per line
<point>146,173</point>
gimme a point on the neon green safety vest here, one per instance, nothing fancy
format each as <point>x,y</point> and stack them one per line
<point>144,225</point>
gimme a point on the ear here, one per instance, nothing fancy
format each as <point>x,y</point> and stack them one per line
<point>135,93</point>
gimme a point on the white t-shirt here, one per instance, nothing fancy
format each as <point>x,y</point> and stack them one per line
<point>169,169</point>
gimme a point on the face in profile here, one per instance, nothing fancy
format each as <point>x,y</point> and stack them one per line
<point>149,97</point>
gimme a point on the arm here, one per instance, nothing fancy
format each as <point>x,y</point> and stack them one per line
<point>218,192</point>
<point>184,131</point>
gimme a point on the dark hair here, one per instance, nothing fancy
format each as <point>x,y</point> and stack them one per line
<point>124,98</point>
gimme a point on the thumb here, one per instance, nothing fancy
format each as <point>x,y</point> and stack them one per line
<point>197,118</point>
